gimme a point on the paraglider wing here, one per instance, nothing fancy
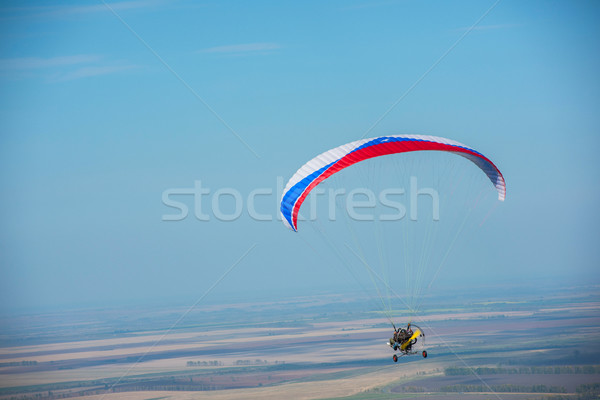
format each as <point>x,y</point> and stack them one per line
<point>323,166</point>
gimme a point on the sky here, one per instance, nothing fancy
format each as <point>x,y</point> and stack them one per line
<point>105,107</point>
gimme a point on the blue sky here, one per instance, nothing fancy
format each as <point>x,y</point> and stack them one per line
<point>101,111</point>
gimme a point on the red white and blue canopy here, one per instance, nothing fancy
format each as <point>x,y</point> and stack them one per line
<point>324,165</point>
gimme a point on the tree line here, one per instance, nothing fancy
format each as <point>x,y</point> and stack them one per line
<point>559,369</point>
<point>504,388</point>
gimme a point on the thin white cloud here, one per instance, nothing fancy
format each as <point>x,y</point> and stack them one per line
<point>361,6</point>
<point>87,72</point>
<point>243,48</point>
<point>117,6</point>
<point>62,68</point>
<point>62,11</point>
<point>29,63</point>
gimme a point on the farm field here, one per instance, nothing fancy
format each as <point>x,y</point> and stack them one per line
<point>318,348</point>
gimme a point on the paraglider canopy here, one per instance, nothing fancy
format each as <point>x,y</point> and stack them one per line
<point>326,164</point>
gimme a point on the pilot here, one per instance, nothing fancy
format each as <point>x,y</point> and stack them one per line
<point>402,335</point>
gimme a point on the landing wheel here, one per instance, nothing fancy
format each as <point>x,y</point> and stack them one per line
<point>395,357</point>
<point>424,353</point>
